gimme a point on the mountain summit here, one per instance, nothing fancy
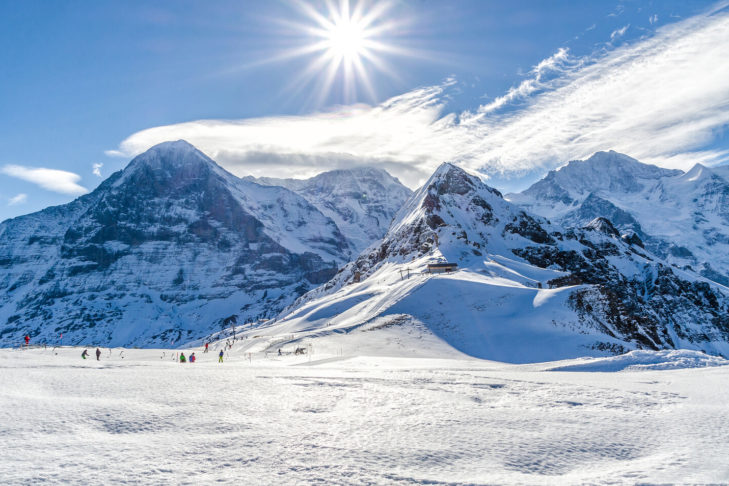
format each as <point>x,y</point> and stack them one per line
<point>170,249</point>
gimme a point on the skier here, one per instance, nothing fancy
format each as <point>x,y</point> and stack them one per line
<point>279,351</point>
<point>192,358</point>
<point>206,348</point>
<point>27,340</point>
<point>85,353</point>
<point>98,354</point>
<point>220,356</point>
<point>182,358</point>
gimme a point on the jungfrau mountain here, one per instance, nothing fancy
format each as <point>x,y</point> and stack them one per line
<point>170,249</point>
<point>525,289</point>
<point>682,218</point>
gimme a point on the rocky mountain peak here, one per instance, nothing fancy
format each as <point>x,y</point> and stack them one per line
<point>174,162</point>
<point>603,172</point>
<point>602,225</point>
<point>698,173</point>
<point>451,179</point>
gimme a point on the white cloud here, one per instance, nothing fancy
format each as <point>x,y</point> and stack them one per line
<point>556,63</point>
<point>616,34</point>
<point>661,99</point>
<point>97,169</point>
<point>305,145</point>
<point>51,179</point>
<point>653,19</point>
<point>19,199</point>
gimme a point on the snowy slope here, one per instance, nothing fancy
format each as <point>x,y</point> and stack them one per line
<point>169,249</point>
<point>361,201</point>
<point>137,417</point>
<point>526,290</point>
<point>681,217</point>
<point>646,360</point>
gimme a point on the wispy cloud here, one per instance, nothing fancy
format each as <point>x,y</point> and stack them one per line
<point>96,169</point>
<point>557,63</point>
<point>19,199</point>
<point>51,179</point>
<point>653,19</point>
<point>616,34</point>
<point>661,99</point>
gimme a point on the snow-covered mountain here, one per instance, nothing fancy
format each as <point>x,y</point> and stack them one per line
<point>169,249</point>
<point>525,289</point>
<point>681,217</point>
<point>361,201</point>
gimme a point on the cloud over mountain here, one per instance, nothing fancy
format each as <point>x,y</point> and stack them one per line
<point>662,99</point>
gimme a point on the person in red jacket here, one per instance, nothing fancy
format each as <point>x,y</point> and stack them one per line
<point>192,358</point>
<point>27,340</point>
<point>206,348</point>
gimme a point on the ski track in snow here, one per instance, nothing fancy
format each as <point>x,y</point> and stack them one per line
<point>145,419</point>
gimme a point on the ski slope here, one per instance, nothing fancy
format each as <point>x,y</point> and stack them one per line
<point>487,314</point>
<point>346,419</point>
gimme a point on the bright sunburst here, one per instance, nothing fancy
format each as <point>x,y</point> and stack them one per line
<point>348,42</point>
<point>346,39</point>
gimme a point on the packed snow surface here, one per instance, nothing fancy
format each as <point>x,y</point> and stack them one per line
<point>138,417</point>
<point>648,360</point>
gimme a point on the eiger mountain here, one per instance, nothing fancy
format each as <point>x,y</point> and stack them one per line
<point>682,218</point>
<point>170,249</point>
<point>361,200</point>
<point>525,290</point>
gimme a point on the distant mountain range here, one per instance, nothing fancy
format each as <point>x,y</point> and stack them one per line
<point>683,218</point>
<point>599,257</point>
<point>173,248</point>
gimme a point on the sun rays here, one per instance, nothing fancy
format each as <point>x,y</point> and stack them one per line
<point>348,43</point>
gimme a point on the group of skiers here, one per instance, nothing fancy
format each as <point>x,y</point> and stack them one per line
<point>192,358</point>
<point>182,358</point>
<point>86,353</point>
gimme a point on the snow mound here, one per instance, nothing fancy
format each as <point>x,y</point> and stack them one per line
<point>641,360</point>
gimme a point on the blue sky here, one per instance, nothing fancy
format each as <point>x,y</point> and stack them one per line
<point>511,89</point>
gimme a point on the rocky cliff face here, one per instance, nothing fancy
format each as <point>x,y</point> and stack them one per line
<point>169,249</point>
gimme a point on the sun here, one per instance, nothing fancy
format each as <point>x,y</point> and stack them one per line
<point>348,42</point>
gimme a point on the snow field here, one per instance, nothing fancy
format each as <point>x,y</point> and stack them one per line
<point>353,420</point>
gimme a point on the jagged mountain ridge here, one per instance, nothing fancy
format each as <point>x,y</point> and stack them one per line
<point>681,217</point>
<point>526,289</point>
<point>169,249</point>
<point>361,201</point>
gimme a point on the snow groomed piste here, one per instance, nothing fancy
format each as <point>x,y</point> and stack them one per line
<point>138,417</point>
